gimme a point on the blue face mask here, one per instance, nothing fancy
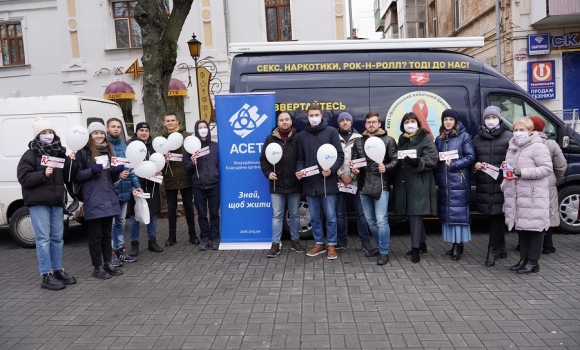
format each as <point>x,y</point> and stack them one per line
<point>46,138</point>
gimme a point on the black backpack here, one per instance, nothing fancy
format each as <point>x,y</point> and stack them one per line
<point>76,189</point>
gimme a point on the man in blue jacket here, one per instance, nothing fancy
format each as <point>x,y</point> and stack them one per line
<point>205,178</point>
<point>319,192</point>
<point>124,188</point>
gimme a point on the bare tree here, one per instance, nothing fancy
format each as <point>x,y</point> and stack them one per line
<point>160,33</point>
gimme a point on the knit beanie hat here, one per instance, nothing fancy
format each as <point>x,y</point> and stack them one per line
<point>142,125</point>
<point>96,126</point>
<point>492,110</point>
<point>539,123</point>
<point>450,113</point>
<point>40,124</point>
<point>344,115</point>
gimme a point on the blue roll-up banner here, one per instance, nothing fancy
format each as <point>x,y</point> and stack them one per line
<point>244,121</point>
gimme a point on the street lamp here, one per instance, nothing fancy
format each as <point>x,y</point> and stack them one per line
<point>194,48</point>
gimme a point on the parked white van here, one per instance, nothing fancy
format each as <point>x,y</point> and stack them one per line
<point>16,117</point>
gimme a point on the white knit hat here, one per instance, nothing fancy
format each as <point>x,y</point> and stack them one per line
<point>96,126</point>
<point>40,124</point>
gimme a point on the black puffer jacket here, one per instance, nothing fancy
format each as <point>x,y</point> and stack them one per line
<point>370,174</point>
<point>207,174</point>
<point>151,187</point>
<point>490,147</point>
<point>37,189</point>
<point>286,167</point>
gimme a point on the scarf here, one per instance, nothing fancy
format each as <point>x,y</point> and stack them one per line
<point>284,135</point>
<point>407,135</point>
<point>101,145</point>
<point>53,149</point>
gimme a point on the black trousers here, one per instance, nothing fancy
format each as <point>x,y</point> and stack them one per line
<point>100,240</point>
<point>187,199</point>
<point>531,244</point>
<point>548,242</point>
<point>497,230</point>
<point>418,234</point>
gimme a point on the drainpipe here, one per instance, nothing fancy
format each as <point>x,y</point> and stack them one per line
<point>497,34</point>
<point>227,20</point>
<point>350,19</point>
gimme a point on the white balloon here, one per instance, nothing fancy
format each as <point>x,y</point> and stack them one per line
<point>136,153</point>
<point>375,149</point>
<point>326,156</point>
<point>174,140</point>
<point>146,169</point>
<point>77,137</point>
<point>158,159</point>
<point>273,153</point>
<point>160,145</point>
<point>191,144</point>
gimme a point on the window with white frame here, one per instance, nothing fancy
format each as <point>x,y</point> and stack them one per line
<point>457,13</point>
<point>433,19</point>
<point>127,30</point>
<point>416,16</point>
<point>278,23</point>
<point>12,44</point>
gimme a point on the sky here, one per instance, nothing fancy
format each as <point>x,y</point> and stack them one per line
<point>364,18</point>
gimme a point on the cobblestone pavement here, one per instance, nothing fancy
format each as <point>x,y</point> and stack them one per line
<point>187,299</point>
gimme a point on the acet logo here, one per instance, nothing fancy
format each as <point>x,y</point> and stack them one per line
<point>246,120</point>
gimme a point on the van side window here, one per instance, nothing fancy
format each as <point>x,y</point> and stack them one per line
<point>514,107</point>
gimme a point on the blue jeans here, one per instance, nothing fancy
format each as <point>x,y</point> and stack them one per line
<point>341,219</point>
<point>376,213</point>
<point>134,228</point>
<point>204,199</point>
<point>118,232</point>
<point>278,203</point>
<point>48,224</point>
<point>316,204</point>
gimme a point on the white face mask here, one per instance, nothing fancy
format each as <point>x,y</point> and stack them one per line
<point>491,123</point>
<point>46,138</point>
<point>410,127</point>
<point>314,121</point>
<point>202,132</point>
<point>520,136</point>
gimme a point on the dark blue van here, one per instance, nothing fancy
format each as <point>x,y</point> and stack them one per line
<point>393,82</point>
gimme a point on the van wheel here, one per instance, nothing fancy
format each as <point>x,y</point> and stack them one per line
<point>305,228</point>
<point>569,203</point>
<point>21,228</point>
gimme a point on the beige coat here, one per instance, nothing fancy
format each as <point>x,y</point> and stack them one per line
<point>559,167</point>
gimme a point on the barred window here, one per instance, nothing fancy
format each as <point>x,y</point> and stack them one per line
<point>12,44</point>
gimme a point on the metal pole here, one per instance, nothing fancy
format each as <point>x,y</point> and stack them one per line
<point>497,35</point>
<point>350,18</point>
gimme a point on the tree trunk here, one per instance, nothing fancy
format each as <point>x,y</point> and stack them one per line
<point>160,34</point>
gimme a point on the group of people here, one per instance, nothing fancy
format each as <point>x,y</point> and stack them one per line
<point>425,177</point>
<point>108,190</point>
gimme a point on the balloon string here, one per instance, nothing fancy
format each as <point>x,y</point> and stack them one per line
<point>324,186</point>
<point>274,179</point>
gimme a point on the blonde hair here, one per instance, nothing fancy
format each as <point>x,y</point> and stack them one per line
<point>525,121</point>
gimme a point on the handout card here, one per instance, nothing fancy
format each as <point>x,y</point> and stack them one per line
<point>358,163</point>
<point>313,170</point>
<point>411,153</point>
<point>350,188</point>
<point>55,162</point>
<point>103,160</point>
<point>443,156</point>
<point>174,157</point>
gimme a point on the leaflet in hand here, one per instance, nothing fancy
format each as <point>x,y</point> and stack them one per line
<point>118,161</point>
<point>142,194</point>
<point>358,163</point>
<point>411,153</point>
<point>52,161</point>
<point>156,178</point>
<point>508,171</point>
<point>313,170</point>
<point>443,156</point>
<point>490,170</point>
<point>203,152</point>
<point>350,188</point>
<point>103,160</point>
<point>174,157</point>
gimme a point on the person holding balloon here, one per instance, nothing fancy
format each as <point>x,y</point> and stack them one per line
<point>414,191</point>
<point>43,193</point>
<point>205,178</point>
<point>124,187</point>
<point>142,133</point>
<point>100,201</point>
<point>176,179</point>
<point>380,152</point>
<point>278,162</point>
<point>453,177</point>
<point>320,155</point>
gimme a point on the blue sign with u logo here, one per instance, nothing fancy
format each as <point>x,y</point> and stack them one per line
<point>244,121</point>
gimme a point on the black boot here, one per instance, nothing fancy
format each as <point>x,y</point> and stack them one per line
<point>64,277</point>
<point>170,240</point>
<point>501,252</point>
<point>153,246</point>
<point>100,273</point>
<point>491,256</point>
<point>529,266</point>
<point>422,248</point>
<point>456,251</point>
<point>51,282</point>
<point>415,256</point>
<point>459,246</point>
<point>521,263</point>
<point>112,270</point>
<point>193,239</point>
<point>134,248</point>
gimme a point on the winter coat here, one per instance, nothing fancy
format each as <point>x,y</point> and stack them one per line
<point>125,187</point>
<point>286,167</point>
<point>527,199</point>
<point>490,147</point>
<point>37,189</point>
<point>207,174</point>
<point>154,202</point>
<point>310,139</point>
<point>175,177</point>
<point>369,177</point>
<point>414,191</point>
<point>347,149</point>
<point>454,181</point>
<point>99,196</point>
<point>559,166</point>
